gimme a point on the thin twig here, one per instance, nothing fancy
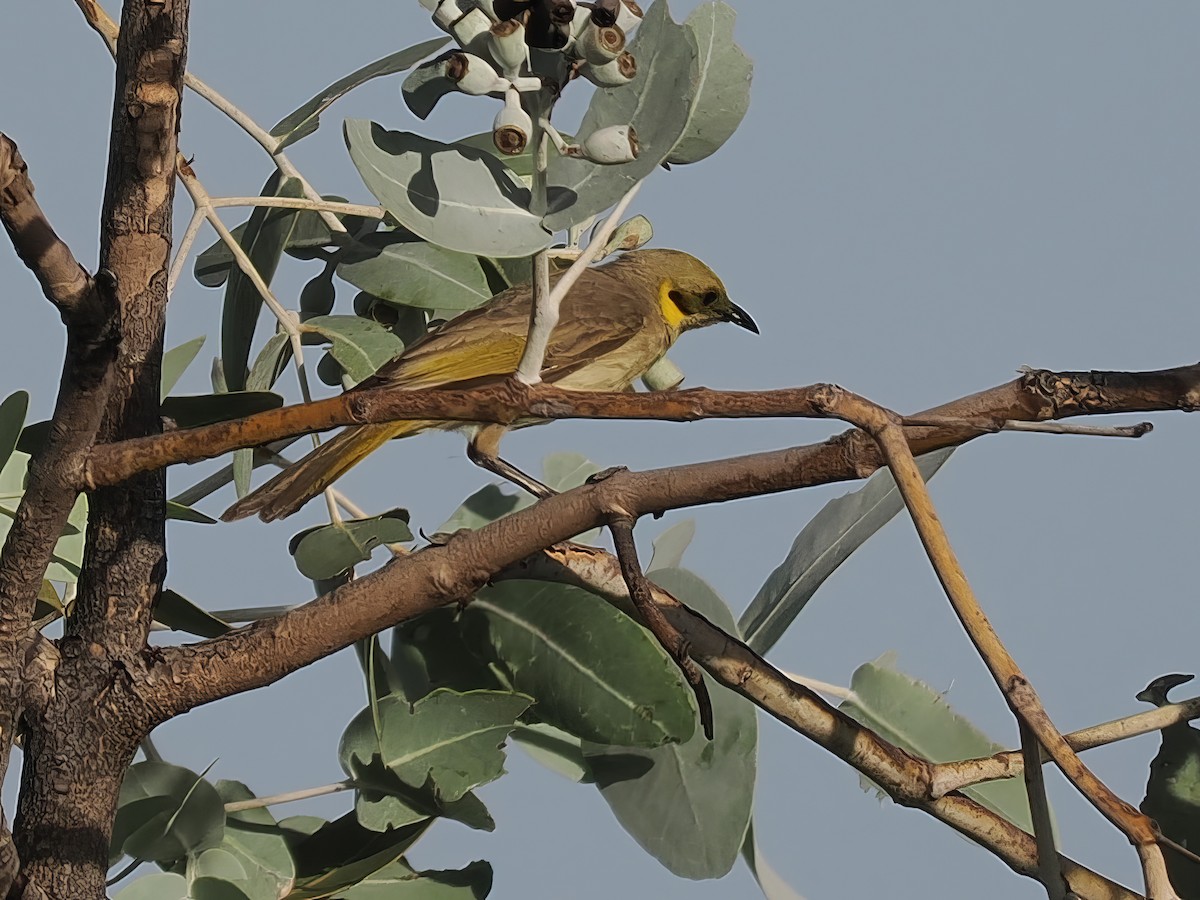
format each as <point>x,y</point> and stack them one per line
<point>185,246</point>
<point>545,317</point>
<point>667,634</point>
<point>822,687</point>
<point>1122,431</point>
<point>1016,688</point>
<point>954,776</point>
<point>289,797</point>
<point>1049,866</point>
<point>333,206</point>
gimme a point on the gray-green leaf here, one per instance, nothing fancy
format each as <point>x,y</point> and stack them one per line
<point>359,345</point>
<point>691,808</point>
<point>328,550</point>
<point>395,267</point>
<point>593,671</point>
<point>175,361</point>
<point>450,739</point>
<point>453,196</point>
<point>912,715</point>
<point>657,103</point>
<point>722,93</point>
<point>841,527</point>
<point>307,118</point>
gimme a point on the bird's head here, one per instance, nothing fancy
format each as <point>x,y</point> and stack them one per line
<point>689,292</point>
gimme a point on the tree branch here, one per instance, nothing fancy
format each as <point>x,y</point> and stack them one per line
<point>954,776</point>
<point>905,778</point>
<point>89,310</point>
<point>1018,692</point>
<point>1037,395</point>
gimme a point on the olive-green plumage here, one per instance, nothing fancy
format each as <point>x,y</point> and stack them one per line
<point>614,324</point>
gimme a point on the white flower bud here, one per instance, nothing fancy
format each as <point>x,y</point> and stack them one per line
<point>506,42</point>
<point>470,31</point>
<point>445,14</point>
<point>613,73</point>
<point>599,45</point>
<point>473,75</point>
<point>610,146</point>
<point>629,16</point>
<point>512,128</point>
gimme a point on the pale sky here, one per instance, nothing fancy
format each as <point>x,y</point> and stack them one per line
<point>923,197</point>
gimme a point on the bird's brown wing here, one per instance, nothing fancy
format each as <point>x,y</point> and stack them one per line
<point>600,315</point>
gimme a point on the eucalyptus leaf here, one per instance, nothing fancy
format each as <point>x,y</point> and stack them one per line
<point>425,86</point>
<point>669,546</point>
<point>332,856</point>
<point>327,551</point>
<point>399,881</point>
<point>175,362</point>
<point>841,527</point>
<point>722,93</point>
<point>307,118</point>
<point>383,802</point>
<point>166,812</point>
<point>454,740</point>
<point>267,368</point>
<point>915,717</point>
<point>555,749</point>
<point>657,103</point>
<point>593,671</point>
<point>193,410</point>
<point>691,807</point>
<point>359,346</point>
<point>181,513</point>
<point>430,651</point>
<point>213,263</point>
<point>395,267</point>
<point>453,196</point>
<point>255,840</point>
<point>12,420</point>
<point>770,882</point>
<point>156,886</point>
<point>180,614</point>
<point>267,232</point>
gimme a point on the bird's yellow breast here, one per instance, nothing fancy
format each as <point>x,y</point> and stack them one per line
<point>672,313</point>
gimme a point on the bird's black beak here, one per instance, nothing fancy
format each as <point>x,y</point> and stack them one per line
<point>739,316</point>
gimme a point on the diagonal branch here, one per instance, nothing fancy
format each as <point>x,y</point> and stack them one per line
<point>733,664</point>
<point>1020,695</point>
<point>672,641</point>
<point>89,310</point>
<point>954,776</point>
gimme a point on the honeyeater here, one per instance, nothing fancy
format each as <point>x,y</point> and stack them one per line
<point>616,322</point>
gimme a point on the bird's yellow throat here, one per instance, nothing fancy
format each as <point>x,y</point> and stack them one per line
<point>672,313</point>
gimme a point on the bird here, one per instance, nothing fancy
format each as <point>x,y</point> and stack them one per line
<point>616,322</point>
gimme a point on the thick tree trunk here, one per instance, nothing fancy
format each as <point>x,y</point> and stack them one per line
<point>77,750</point>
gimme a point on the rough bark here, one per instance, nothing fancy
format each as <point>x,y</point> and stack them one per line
<point>78,748</point>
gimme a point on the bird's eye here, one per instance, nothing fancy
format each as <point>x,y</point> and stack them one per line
<point>710,298</point>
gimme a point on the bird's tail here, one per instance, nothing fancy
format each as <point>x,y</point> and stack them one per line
<point>298,483</point>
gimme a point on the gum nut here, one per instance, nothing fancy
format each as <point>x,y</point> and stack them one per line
<point>613,73</point>
<point>599,45</point>
<point>511,130</point>
<point>473,75</point>
<point>507,41</point>
<point>611,146</point>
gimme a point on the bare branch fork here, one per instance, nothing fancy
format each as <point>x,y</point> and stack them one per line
<point>887,430</point>
<point>88,308</point>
